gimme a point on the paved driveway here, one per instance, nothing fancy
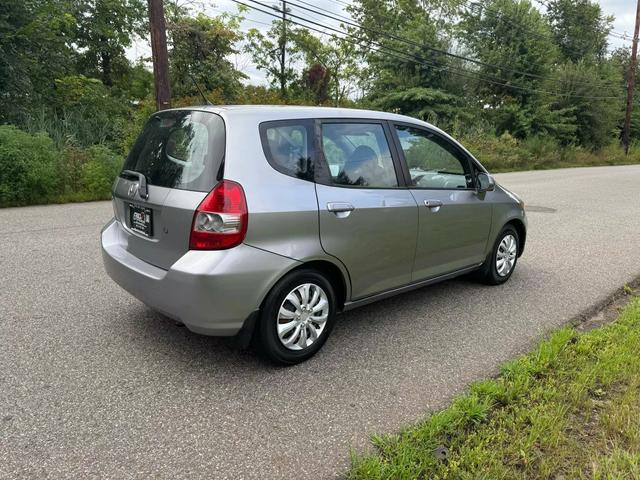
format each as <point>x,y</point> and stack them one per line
<point>92,383</point>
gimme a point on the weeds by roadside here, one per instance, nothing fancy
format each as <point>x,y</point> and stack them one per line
<point>569,409</point>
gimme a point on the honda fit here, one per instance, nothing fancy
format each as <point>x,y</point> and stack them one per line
<point>265,222</point>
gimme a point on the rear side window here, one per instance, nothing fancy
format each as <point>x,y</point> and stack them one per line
<point>288,146</point>
<point>358,155</point>
<point>180,149</point>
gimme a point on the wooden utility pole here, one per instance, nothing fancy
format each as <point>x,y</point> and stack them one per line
<point>631,82</point>
<point>158,30</point>
<point>283,51</point>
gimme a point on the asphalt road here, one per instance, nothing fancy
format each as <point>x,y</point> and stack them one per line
<point>94,384</point>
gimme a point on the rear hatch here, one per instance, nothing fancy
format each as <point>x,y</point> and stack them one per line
<point>180,157</point>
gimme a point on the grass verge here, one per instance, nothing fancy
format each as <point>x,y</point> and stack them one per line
<point>569,409</point>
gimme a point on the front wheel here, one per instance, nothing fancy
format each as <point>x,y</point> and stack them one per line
<point>501,263</point>
<point>296,318</point>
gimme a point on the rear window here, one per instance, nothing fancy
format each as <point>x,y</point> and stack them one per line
<point>180,149</point>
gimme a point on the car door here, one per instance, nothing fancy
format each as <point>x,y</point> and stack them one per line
<point>454,221</point>
<point>367,219</point>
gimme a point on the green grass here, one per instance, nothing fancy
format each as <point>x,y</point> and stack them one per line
<point>568,410</point>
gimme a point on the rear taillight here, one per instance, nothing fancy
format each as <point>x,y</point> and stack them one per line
<point>221,218</point>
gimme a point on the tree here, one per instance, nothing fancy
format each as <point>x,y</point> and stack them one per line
<point>200,48</point>
<point>337,56</point>
<point>104,28</point>
<point>276,55</point>
<point>580,29</point>
<point>394,64</point>
<point>595,117</point>
<point>316,79</point>
<point>35,48</point>
<point>514,42</point>
<point>429,104</point>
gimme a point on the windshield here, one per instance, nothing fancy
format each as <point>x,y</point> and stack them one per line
<point>180,149</point>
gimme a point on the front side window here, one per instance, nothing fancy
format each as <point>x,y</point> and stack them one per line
<point>432,161</point>
<point>288,146</point>
<point>180,149</point>
<point>358,155</point>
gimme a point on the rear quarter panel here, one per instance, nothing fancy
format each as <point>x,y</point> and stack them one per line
<point>283,211</point>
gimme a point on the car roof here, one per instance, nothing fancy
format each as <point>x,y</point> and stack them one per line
<point>263,113</point>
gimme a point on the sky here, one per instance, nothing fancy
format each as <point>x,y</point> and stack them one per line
<point>622,10</point>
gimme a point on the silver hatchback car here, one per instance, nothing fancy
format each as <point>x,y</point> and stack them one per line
<point>264,222</point>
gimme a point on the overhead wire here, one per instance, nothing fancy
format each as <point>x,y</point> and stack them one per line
<point>400,54</point>
<point>419,45</point>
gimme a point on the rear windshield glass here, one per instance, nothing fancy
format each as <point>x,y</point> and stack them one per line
<point>180,149</point>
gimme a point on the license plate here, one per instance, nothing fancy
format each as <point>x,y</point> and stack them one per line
<point>141,219</point>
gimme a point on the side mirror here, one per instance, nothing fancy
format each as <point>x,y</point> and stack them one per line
<point>486,183</point>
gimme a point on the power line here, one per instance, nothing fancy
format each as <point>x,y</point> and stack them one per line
<point>416,44</point>
<point>490,79</point>
<point>405,56</point>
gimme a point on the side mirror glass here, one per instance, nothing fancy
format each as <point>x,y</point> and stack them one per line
<point>486,183</point>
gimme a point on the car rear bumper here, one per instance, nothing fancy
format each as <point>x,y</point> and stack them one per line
<point>211,292</point>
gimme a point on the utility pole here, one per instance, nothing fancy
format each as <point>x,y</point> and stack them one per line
<point>158,30</point>
<point>283,50</point>
<point>631,82</point>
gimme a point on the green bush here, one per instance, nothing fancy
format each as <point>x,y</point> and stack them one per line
<point>28,167</point>
<point>88,173</point>
<point>99,172</point>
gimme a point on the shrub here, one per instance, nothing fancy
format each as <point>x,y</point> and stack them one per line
<point>544,152</point>
<point>498,154</point>
<point>99,172</point>
<point>130,128</point>
<point>88,173</point>
<point>28,167</point>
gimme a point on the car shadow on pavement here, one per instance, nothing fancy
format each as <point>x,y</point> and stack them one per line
<point>377,328</point>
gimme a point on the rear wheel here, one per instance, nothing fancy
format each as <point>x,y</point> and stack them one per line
<point>297,317</point>
<point>501,263</point>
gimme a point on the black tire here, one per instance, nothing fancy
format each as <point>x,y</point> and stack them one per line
<point>266,338</point>
<point>488,273</point>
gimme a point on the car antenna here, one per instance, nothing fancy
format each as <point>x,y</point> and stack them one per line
<point>206,100</point>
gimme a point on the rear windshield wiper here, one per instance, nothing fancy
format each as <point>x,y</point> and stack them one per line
<point>142,182</point>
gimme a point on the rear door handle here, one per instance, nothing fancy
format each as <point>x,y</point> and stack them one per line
<point>341,209</point>
<point>433,204</point>
<point>142,184</point>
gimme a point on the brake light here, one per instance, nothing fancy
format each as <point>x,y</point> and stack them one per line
<point>220,220</point>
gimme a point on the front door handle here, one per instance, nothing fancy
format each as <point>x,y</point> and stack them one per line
<point>341,209</point>
<point>433,205</point>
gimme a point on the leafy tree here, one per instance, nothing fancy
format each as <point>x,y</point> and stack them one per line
<point>425,103</point>
<point>338,57</point>
<point>276,54</point>
<point>587,87</point>
<point>513,36</point>
<point>35,48</point>
<point>104,28</point>
<point>83,112</point>
<point>316,79</point>
<point>200,48</point>
<point>541,118</point>
<point>580,29</point>
<point>396,64</point>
